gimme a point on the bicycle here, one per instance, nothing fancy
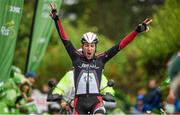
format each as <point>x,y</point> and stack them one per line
<point>66,102</point>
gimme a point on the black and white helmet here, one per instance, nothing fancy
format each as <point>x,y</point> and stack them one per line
<point>89,37</point>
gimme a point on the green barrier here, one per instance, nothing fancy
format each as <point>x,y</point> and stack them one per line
<point>10,17</point>
<point>42,30</point>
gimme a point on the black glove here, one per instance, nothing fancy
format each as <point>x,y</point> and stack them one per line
<point>108,97</point>
<point>144,25</point>
<point>52,83</point>
<point>141,28</point>
<point>53,12</point>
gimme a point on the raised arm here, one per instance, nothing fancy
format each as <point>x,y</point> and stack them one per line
<point>58,23</point>
<point>140,28</point>
<point>68,45</point>
<point>126,40</point>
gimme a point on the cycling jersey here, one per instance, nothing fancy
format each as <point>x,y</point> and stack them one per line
<point>66,85</point>
<point>87,73</point>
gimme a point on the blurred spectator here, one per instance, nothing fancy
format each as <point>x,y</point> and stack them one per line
<point>142,91</point>
<point>31,76</point>
<point>17,76</point>
<point>174,74</point>
<point>3,106</point>
<point>169,106</point>
<point>174,66</point>
<point>40,97</point>
<point>10,91</point>
<point>153,98</point>
<point>25,102</point>
<point>24,98</point>
<point>138,107</point>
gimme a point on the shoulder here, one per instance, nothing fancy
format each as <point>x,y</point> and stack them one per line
<point>79,53</point>
<point>69,73</point>
<point>98,55</point>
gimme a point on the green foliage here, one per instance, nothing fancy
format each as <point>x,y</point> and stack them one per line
<point>113,18</point>
<point>147,56</point>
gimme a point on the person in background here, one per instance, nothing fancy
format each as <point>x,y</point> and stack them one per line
<point>31,76</point>
<point>139,105</point>
<point>10,91</point>
<point>174,74</point>
<point>169,105</point>
<point>24,101</point>
<point>153,98</point>
<point>24,98</point>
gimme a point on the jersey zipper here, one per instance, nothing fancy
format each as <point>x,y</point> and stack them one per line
<point>87,83</point>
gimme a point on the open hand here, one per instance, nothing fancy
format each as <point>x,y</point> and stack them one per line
<point>147,21</point>
<point>144,25</point>
<point>53,12</point>
<point>63,103</point>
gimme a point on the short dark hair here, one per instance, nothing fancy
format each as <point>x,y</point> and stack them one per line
<point>30,74</point>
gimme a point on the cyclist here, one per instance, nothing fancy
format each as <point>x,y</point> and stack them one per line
<point>88,66</point>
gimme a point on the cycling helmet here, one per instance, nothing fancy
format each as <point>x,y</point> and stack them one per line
<point>89,37</point>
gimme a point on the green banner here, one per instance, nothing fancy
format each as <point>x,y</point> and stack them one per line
<point>41,33</point>
<point>10,17</point>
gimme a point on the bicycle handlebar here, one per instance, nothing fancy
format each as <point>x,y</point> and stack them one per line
<point>109,105</point>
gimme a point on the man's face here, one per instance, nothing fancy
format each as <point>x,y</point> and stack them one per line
<point>140,102</point>
<point>31,80</point>
<point>26,88</point>
<point>152,83</point>
<point>89,50</point>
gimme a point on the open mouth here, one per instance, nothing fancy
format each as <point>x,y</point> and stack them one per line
<point>89,53</point>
